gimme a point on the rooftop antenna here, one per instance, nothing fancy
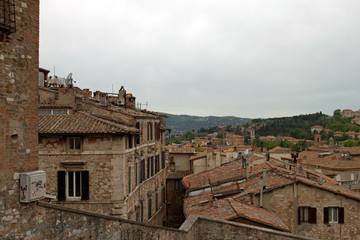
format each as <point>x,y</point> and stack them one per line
<point>54,71</point>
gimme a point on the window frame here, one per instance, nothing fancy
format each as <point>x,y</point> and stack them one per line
<point>64,178</point>
<point>74,138</point>
<point>306,214</point>
<point>74,189</point>
<point>334,214</point>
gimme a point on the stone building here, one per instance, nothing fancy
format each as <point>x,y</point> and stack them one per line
<point>235,140</point>
<point>271,195</point>
<point>103,155</point>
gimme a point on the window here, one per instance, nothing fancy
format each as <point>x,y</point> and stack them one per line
<point>157,164</point>
<point>129,141</point>
<point>7,17</point>
<point>152,166</point>
<point>60,112</point>
<point>53,111</point>
<point>142,171</point>
<point>156,202</point>
<point>73,185</point>
<point>138,135</point>
<point>149,208</point>
<point>163,195</point>
<point>141,212</point>
<point>45,112</point>
<point>176,185</point>
<point>129,179</point>
<point>148,167</point>
<point>163,159</point>
<point>157,131</point>
<point>149,132</point>
<point>74,143</point>
<point>307,214</point>
<point>136,174</point>
<point>334,215</point>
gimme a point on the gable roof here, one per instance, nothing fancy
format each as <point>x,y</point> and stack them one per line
<point>80,123</point>
<point>231,209</point>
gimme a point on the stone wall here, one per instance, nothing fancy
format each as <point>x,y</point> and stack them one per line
<point>19,69</point>
<point>285,202</point>
<point>55,222</point>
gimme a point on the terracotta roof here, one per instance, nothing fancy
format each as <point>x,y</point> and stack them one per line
<point>224,173</point>
<point>317,126</point>
<point>231,209</point>
<point>198,156</point>
<point>80,123</point>
<point>181,150</point>
<point>289,138</point>
<point>53,106</point>
<point>333,161</point>
<point>280,150</point>
<point>352,151</point>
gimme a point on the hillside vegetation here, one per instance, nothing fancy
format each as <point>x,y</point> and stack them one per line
<point>180,124</point>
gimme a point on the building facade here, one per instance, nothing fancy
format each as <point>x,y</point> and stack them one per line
<point>102,155</point>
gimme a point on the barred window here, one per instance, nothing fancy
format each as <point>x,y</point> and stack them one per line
<point>7,17</point>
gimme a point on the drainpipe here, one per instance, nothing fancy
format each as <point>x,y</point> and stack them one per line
<point>247,171</point>
<point>264,177</point>
<point>261,192</point>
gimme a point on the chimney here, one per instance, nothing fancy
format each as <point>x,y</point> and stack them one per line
<point>122,94</point>
<point>130,101</point>
<point>103,97</point>
<point>268,156</point>
<point>211,202</point>
<point>87,94</point>
<point>261,192</point>
<point>247,171</point>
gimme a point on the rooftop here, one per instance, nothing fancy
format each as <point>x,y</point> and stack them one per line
<point>80,123</point>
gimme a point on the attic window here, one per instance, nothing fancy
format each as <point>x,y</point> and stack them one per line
<point>53,111</point>
<point>7,17</point>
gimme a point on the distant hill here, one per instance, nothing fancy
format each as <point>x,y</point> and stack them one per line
<point>182,123</point>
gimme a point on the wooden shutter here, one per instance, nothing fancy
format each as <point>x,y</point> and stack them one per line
<point>326,215</point>
<point>61,186</point>
<point>312,215</point>
<point>85,185</point>
<point>299,220</point>
<point>341,215</point>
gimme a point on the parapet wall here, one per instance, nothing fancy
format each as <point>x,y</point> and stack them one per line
<point>56,222</point>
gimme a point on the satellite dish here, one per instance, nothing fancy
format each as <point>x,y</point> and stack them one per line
<point>69,80</point>
<point>246,152</point>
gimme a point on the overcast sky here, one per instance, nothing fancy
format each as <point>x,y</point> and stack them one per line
<point>222,58</point>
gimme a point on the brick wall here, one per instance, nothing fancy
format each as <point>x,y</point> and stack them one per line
<point>19,64</point>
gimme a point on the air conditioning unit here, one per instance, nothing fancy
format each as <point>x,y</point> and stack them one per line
<point>32,186</point>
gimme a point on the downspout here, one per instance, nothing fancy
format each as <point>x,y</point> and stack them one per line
<point>295,198</point>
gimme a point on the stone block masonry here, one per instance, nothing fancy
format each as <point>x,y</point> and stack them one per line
<point>55,222</point>
<point>19,69</point>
